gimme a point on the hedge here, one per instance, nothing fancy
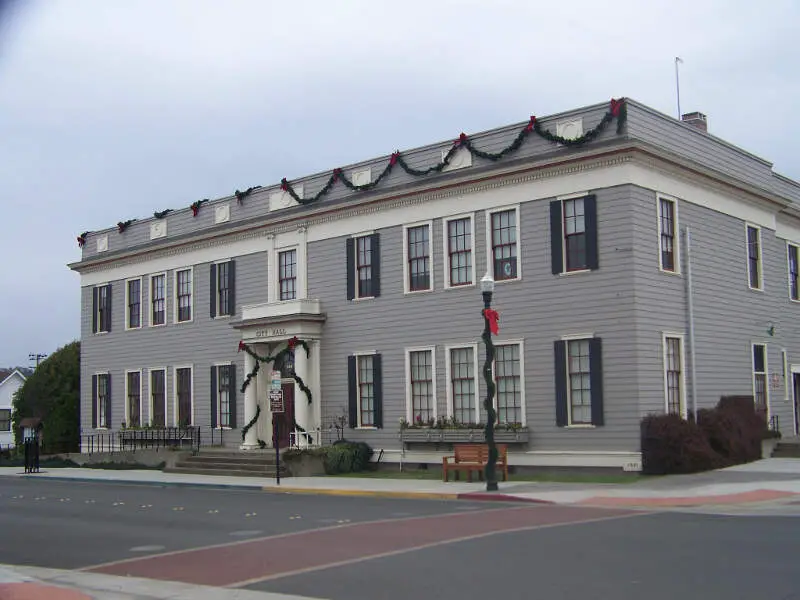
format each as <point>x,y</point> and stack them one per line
<point>726,435</point>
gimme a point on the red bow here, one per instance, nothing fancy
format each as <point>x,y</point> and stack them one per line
<point>242,346</point>
<point>336,173</point>
<point>284,185</point>
<point>616,105</point>
<point>493,317</point>
<point>393,159</point>
<point>195,210</point>
<point>461,139</point>
<point>292,342</point>
<point>531,124</point>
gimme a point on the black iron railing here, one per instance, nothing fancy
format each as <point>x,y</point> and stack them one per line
<point>142,439</point>
<point>774,424</point>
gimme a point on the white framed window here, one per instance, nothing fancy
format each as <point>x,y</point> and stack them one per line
<point>760,378</point>
<point>793,267</point>
<point>364,256</point>
<point>417,257</point>
<point>365,378</point>
<point>184,295</point>
<point>5,419</point>
<point>755,275</point>
<point>502,243</point>
<point>158,397</point>
<point>668,235</point>
<point>458,240</point>
<point>102,400</point>
<point>183,394</point>
<point>223,302</point>
<point>133,303</point>
<point>421,384</point>
<point>674,356</point>
<point>225,395</point>
<point>101,308</point>
<point>287,274</point>
<point>579,388</point>
<point>785,374</point>
<point>158,299</point>
<point>462,383</point>
<point>133,398</point>
<point>509,367</point>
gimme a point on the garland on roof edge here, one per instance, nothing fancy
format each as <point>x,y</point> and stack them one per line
<point>618,109</point>
<point>123,225</point>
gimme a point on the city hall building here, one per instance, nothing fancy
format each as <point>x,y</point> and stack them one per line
<point>641,265</point>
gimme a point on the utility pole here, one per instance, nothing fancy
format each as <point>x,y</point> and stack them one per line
<point>36,357</point>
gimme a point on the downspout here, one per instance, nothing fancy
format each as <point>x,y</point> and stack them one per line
<point>690,304</point>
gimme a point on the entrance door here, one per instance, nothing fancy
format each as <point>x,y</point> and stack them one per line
<point>796,388</point>
<point>283,423</point>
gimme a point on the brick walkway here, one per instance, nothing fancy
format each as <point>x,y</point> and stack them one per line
<point>38,591</point>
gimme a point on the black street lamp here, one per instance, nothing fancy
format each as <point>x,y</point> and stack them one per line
<point>487,288</point>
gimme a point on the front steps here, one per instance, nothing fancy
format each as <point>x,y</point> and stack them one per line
<point>230,463</point>
<point>787,448</point>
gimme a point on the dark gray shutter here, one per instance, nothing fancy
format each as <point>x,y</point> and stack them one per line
<point>108,309</point>
<point>556,237</point>
<point>94,401</point>
<point>231,287</point>
<point>232,395</point>
<point>596,379</point>
<point>352,391</point>
<point>590,220</point>
<point>94,310</point>
<point>213,291</point>
<point>560,353</point>
<point>377,383</point>
<point>375,245</point>
<point>213,396</point>
<point>109,422</point>
<point>351,268</point>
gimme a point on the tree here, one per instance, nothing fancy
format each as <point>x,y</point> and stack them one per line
<point>52,394</point>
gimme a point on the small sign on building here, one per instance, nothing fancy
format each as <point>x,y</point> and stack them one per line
<point>275,380</point>
<point>276,401</point>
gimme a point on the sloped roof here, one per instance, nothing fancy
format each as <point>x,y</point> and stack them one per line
<point>6,374</point>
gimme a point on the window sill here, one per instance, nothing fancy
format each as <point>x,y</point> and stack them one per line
<point>408,292</point>
<point>101,332</point>
<point>575,272</point>
<point>176,322</point>
<point>133,328</point>
<point>363,299</point>
<point>366,428</point>
<point>463,286</point>
<point>668,272</point>
<point>512,280</point>
<point>752,289</point>
<point>581,426</point>
<point>157,325</point>
<point>221,317</point>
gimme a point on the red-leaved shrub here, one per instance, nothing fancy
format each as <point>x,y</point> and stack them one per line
<point>671,444</point>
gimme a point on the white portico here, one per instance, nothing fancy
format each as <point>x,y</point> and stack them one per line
<point>267,329</point>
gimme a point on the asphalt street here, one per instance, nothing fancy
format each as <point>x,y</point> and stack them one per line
<point>360,548</point>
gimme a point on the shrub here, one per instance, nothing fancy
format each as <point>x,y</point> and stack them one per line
<point>672,445</point>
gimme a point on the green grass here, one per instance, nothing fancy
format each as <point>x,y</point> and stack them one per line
<point>552,477</point>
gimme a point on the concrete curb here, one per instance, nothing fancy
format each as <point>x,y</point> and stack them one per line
<point>189,484</point>
<point>364,493</point>
<point>754,496</point>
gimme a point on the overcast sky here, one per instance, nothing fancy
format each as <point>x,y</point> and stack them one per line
<point>110,110</point>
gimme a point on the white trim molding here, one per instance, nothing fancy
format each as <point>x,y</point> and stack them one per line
<point>409,396</point>
<point>358,355</point>
<point>488,241</point>
<point>406,274</point>
<point>475,410</point>
<point>216,366</point>
<point>175,370</point>
<point>676,237</point>
<point>577,337</point>
<point>681,337</point>
<point>150,279</point>
<point>446,250</point>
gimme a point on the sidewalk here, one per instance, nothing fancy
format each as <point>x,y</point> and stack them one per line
<point>764,480</point>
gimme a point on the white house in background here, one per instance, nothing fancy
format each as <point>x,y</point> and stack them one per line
<point>10,382</point>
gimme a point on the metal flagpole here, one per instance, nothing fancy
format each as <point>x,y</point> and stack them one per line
<point>678,59</point>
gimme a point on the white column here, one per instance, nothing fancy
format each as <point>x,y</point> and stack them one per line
<point>250,399</point>
<point>302,411</point>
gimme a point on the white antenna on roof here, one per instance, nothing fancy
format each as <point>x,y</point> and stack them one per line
<point>678,59</point>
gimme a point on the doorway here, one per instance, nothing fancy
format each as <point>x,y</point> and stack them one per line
<point>282,423</point>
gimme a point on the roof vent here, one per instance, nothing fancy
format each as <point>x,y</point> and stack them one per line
<point>696,119</point>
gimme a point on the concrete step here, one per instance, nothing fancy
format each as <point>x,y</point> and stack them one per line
<point>231,460</point>
<point>786,452</point>
<point>269,473</point>
<point>223,466</point>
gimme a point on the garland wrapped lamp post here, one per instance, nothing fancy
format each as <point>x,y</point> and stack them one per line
<point>490,318</point>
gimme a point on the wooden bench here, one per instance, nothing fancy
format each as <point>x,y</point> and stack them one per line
<point>473,457</point>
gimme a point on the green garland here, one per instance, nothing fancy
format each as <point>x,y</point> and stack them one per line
<point>161,214</point>
<point>195,206</point>
<point>278,356</point>
<point>252,422</point>
<point>617,110</point>
<point>82,239</point>
<point>123,225</point>
<point>240,196</point>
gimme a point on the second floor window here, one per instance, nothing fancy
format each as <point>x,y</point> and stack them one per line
<point>287,274</point>
<point>101,305</point>
<point>363,254</point>
<point>754,258</point>
<point>575,234</point>
<point>459,251</point>
<point>364,266</point>
<point>183,285</point>
<point>666,214</point>
<point>158,295</point>
<point>134,303</point>
<point>222,289</point>
<point>419,258</point>
<point>794,275</point>
<point>504,244</point>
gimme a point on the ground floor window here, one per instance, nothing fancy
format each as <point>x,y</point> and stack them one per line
<point>508,379</point>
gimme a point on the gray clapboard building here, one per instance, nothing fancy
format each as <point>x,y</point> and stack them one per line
<point>619,239</point>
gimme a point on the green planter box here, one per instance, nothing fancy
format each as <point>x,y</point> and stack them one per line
<point>462,436</point>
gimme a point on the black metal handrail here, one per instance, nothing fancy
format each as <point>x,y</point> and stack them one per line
<point>774,424</point>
